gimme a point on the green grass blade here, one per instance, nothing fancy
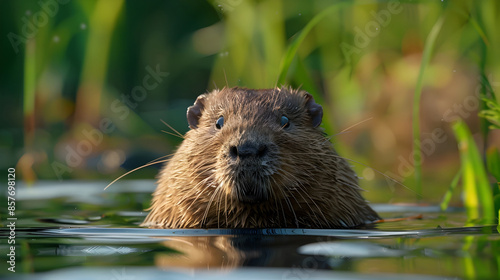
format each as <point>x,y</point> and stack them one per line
<point>293,47</point>
<point>493,162</point>
<point>447,197</point>
<point>477,191</point>
<point>29,78</point>
<point>428,48</point>
<point>102,22</point>
<point>492,114</point>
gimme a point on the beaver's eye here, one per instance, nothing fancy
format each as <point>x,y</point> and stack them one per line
<point>285,122</point>
<point>219,123</point>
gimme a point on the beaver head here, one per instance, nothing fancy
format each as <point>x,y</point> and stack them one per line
<point>246,133</point>
<point>257,158</point>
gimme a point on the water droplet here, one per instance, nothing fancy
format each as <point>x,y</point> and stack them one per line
<point>83,26</point>
<point>56,39</point>
<point>300,14</point>
<point>454,70</point>
<point>28,12</point>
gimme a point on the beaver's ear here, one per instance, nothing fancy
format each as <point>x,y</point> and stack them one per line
<point>194,112</point>
<point>314,109</point>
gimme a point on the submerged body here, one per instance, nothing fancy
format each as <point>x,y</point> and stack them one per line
<point>257,159</point>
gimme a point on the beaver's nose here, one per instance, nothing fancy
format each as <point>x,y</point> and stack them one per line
<point>248,149</point>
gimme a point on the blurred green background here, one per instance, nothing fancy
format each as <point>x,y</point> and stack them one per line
<point>85,85</point>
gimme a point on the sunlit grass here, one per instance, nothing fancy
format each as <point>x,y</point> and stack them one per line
<point>492,114</point>
<point>426,57</point>
<point>449,193</point>
<point>292,48</point>
<point>101,26</point>
<point>29,88</point>
<point>478,197</point>
<point>29,78</point>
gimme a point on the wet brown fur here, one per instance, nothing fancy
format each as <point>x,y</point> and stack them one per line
<point>306,183</point>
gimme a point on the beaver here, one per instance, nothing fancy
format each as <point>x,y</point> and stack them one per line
<point>257,158</point>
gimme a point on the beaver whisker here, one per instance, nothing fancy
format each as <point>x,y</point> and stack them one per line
<point>289,203</point>
<point>201,170</point>
<point>135,169</point>
<point>209,172</point>
<point>356,124</point>
<point>177,133</point>
<point>205,215</point>
<point>360,163</point>
<point>225,206</point>
<point>219,202</point>
<point>302,187</point>
<point>162,157</point>
<point>232,203</point>
<point>194,189</point>
<point>276,200</point>
<point>308,178</point>
<point>283,212</point>
<point>319,210</point>
<point>345,130</point>
<point>206,209</point>
<point>304,172</point>
<point>170,133</point>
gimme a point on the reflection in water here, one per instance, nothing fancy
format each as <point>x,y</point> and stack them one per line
<point>344,250</point>
<point>234,251</point>
<point>89,251</point>
<point>300,253</point>
<point>200,252</point>
<point>84,236</point>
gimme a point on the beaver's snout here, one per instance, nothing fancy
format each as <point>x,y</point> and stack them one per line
<point>248,149</point>
<point>251,160</point>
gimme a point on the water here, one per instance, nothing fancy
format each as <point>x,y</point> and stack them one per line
<point>74,230</point>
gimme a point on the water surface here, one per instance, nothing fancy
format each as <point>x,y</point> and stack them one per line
<point>74,230</point>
